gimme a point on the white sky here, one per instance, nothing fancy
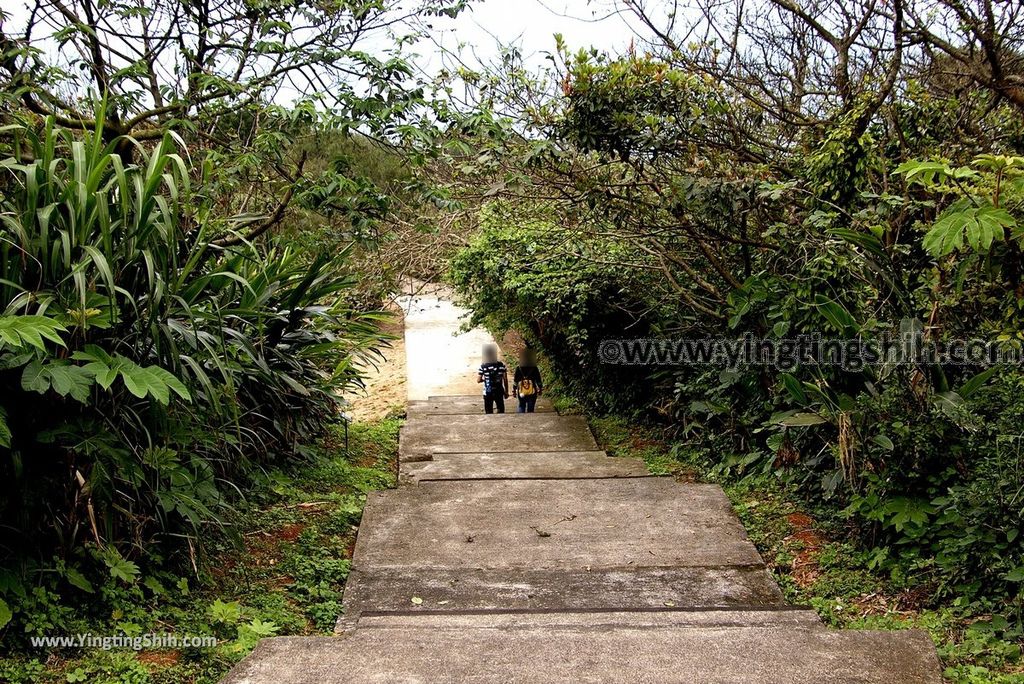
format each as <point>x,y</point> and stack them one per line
<point>478,31</point>
<point>529,25</point>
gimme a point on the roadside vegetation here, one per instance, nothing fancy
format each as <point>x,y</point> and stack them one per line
<point>277,567</point>
<point>190,281</point>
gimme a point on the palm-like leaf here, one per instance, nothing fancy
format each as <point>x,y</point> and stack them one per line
<point>144,343</point>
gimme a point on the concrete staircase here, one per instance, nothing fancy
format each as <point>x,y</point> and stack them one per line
<point>516,551</point>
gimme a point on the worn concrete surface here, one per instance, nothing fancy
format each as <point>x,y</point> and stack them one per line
<point>608,653</point>
<point>640,522</point>
<point>423,436</point>
<point>779,616</point>
<point>473,404</point>
<point>593,589</point>
<point>511,465</point>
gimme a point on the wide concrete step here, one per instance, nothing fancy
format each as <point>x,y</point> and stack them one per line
<point>552,524</point>
<point>580,544</point>
<point>423,436</point>
<point>548,464</point>
<point>459,398</point>
<point>793,617</point>
<point>602,652</point>
<point>423,590</point>
<point>466,404</point>
<point>779,616</point>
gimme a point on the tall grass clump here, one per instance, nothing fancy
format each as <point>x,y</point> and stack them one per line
<point>145,374</point>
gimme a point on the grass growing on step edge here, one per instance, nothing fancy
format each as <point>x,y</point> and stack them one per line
<point>280,572</point>
<point>814,566</point>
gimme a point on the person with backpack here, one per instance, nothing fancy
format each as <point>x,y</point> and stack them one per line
<point>494,377</point>
<point>527,385</point>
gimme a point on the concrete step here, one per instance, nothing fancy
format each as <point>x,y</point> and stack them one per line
<point>423,436</point>
<point>551,544</point>
<point>548,464</point>
<point>779,616</point>
<point>552,524</point>
<point>459,398</point>
<point>606,651</point>
<point>466,404</point>
<point>421,590</point>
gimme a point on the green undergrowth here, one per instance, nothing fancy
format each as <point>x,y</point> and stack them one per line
<point>618,438</point>
<point>808,554</point>
<point>277,568</point>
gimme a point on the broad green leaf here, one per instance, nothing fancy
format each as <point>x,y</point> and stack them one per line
<point>924,172</point>
<point>171,382</point>
<point>138,382</point>
<point>994,162</point>
<point>22,331</point>
<point>104,375</point>
<point>802,419</point>
<point>5,613</point>
<point>884,442</point>
<point>977,227</point>
<point>795,388</point>
<point>262,628</point>
<point>946,235</point>
<point>154,585</point>
<point>5,431</point>
<point>861,239</point>
<point>834,312</point>
<point>225,612</point>
<point>68,380</point>
<point>1015,575</point>
<point>977,382</point>
<point>33,379</point>
<point>77,579</point>
<point>121,568</point>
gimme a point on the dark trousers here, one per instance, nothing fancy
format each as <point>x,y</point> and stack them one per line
<point>528,404</point>
<point>494,401</point>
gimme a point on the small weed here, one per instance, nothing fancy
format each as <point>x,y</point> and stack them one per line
<point>620,437</point>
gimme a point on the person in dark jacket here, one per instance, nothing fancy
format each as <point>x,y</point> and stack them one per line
<point>494,376</point>
<point>527,384</point>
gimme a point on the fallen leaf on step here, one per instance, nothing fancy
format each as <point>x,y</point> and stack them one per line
<point>416,600</point>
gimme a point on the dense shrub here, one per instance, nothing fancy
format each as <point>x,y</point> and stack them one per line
<point>523,270</point>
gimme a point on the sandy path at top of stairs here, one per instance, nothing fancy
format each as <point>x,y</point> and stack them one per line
<point>441,358</point>
<point>431,355</point>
